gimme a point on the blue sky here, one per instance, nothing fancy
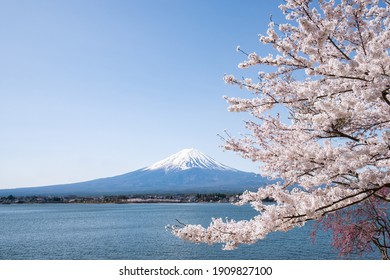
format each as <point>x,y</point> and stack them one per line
<point>91,89</point>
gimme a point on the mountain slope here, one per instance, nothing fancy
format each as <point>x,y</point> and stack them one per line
<point>188,171</point>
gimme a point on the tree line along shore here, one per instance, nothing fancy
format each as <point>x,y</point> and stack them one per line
<point>124,199</point>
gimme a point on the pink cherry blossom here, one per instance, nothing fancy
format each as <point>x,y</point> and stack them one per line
<point>331,73</point>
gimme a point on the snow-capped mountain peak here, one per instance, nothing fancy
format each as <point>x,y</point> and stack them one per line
<point>187,159</point>
<point>188,171</point>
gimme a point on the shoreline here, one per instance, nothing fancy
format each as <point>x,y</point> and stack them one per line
<point>124,199</point>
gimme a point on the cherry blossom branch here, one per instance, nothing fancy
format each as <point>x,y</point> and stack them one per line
<point>324,210</point>
<point>384,96</point>
<point>360,34</point>
<point>338,132</point>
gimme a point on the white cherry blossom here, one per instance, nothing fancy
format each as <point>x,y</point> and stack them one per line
<point>332,74</point>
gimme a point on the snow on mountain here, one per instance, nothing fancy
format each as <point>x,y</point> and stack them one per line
<point>187,159</point>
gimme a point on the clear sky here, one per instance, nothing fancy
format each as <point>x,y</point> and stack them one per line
<point>92,89</point>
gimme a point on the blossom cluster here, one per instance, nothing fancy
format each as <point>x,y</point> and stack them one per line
<point>332,75</point>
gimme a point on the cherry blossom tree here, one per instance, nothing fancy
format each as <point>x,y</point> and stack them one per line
<point>360,228</point>
<point>331,72</point>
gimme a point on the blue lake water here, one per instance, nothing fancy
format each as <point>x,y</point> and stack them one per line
<point>137,231</point>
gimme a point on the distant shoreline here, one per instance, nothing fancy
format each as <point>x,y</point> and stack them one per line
<point>123,199</point>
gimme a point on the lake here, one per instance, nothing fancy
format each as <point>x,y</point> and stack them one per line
<point>137,231</point>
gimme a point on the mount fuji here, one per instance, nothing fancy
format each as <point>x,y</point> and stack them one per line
<point>188,171</point>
